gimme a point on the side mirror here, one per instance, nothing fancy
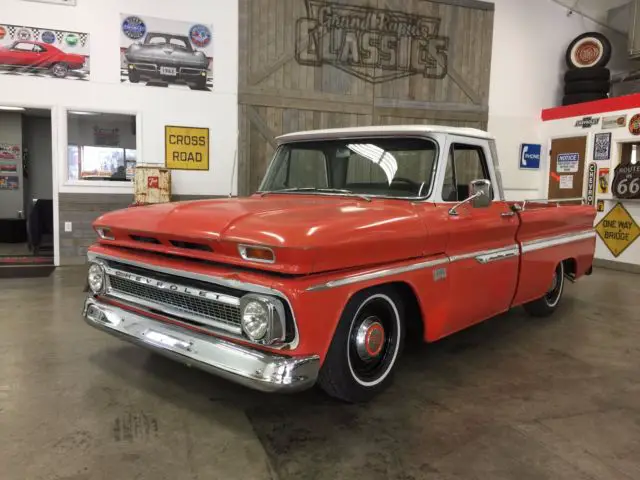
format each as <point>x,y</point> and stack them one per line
<point>480,191</point>
<point>479,196</point>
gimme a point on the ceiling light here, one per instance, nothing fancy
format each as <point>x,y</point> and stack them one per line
<point>82,113</point>
<point>12,109</point>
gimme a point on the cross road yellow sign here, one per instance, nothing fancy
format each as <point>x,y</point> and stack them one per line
<point>186,148</point>
<point>618,230</point>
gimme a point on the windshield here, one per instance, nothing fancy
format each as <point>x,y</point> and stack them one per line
<point>398,167</point>
<point>168,40</point>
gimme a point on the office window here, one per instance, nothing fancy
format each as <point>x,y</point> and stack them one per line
<point>102,146</point>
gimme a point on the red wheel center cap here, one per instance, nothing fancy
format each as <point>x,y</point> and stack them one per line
<point>587,53</point>
<point>374,339</point>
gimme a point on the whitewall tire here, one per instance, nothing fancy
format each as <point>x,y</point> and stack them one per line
<point>365,347</point>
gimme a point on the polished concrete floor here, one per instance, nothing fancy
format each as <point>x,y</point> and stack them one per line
<point>513,398</point>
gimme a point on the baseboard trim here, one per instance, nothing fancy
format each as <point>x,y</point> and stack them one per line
<point>620,266</point>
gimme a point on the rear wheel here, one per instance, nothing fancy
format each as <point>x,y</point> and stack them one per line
<point>545,306</point>
<point>60,70</point>
<point>365,347</point>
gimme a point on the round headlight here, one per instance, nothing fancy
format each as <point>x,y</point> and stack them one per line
<point>96,277</point>
<point>255,320</point>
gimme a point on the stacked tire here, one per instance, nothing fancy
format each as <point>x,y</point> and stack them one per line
<point>588,77</point>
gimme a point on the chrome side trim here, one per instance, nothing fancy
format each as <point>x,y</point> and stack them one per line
<point>225,282</point>
<point>486,256</point>
<point>499,254</point>
<point>269,372</point>
<point>557,201</point>
<point>548,242</point>
<point>362,277</point>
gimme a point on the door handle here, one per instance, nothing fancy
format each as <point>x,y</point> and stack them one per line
<point>507,214</point>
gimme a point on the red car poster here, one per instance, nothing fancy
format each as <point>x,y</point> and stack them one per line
<point>9,182</point>
<point>9,152</point>
<point>43,52</point>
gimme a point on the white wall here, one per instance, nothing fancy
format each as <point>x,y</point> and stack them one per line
<point>566,127</point>
<point>11,201</point>
<point>37,140</point>
<point>530,38</point>
<point>156,107</point>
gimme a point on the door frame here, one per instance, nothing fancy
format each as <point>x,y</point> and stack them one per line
<point>587,154</point>
<point>54,169</point>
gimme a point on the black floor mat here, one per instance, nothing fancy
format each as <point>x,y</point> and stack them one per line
<point>26,271</point>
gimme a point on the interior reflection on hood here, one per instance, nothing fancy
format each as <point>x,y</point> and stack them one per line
<point>377,155</point>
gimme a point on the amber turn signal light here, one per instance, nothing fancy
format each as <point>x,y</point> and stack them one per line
<point>257,254</point>
<point>105,233</point>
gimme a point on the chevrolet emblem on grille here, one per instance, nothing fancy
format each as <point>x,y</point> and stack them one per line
<point>174,287</point>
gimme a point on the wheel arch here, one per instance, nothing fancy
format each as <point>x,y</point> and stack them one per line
<point>413,312</point>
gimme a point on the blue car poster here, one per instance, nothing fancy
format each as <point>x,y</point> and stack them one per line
<point>158,52</point>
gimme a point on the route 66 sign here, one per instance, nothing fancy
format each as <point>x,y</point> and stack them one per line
<point>626,181</point>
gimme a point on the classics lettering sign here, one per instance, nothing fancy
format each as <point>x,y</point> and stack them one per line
<point>626,181</point>
<point>372,44</point>
<point>186,148</point>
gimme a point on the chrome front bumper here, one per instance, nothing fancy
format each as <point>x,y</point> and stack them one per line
<point>253,368</point>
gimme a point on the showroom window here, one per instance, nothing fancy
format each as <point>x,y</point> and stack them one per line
<point>101,146</point>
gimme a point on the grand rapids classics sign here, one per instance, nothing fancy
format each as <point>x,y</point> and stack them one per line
<point>372,44</point>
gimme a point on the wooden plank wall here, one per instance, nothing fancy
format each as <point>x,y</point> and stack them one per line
<point>285,86</point>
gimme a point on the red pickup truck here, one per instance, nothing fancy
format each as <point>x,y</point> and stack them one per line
<point>356,238</point>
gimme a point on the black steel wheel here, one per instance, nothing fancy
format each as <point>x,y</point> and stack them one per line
<point>365,347</point>
<point>545,306</point>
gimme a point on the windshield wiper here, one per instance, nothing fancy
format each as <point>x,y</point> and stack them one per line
<point>315,189</point>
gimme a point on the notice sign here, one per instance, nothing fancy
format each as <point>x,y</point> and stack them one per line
<point>186,148</point>
<point>618,230</point>
<point>566,182</point>
<point>567,162</point>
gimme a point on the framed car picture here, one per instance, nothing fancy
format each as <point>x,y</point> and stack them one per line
<point>157,52</point>
<point>41,52</point>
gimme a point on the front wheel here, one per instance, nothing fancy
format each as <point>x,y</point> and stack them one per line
<point>365,347</point>
<point>545,306</point>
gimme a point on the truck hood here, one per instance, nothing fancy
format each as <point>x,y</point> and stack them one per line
<point>307,233</point>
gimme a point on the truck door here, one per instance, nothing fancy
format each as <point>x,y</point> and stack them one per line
<point>484,256</point>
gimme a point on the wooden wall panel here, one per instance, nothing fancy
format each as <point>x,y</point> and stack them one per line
<point>308,64</point>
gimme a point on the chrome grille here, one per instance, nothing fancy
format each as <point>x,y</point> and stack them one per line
<point>189,304</point>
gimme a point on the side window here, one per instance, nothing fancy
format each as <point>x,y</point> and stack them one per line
<point>465,164</point>
<point>23,47</point>
<point>38,49</point>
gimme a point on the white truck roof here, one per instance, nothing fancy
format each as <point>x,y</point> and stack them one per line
<point>334,133</point>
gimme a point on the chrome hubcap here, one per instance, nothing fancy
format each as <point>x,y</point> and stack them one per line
<point>370,339</point>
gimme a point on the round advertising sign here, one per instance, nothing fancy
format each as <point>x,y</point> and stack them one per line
<point>48,37</point>
<point>71,39</point>
<point>634,124</point>
<point>200,35</point>
<point>134,28</point>
<point>23,34</point>
<point>3,32</point>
